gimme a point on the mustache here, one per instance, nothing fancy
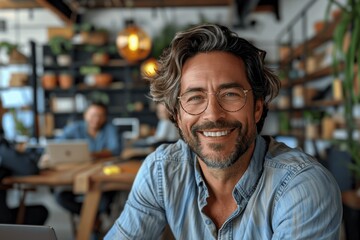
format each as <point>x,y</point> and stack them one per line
<point>218,124</point>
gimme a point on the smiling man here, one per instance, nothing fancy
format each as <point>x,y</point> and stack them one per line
<point>224,180</point>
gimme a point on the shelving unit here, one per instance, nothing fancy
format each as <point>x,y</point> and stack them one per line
<point>305,92</point>
<point>13,94</point>
<point>126,95</point>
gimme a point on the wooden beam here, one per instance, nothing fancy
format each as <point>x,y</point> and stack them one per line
<point>9,4</point>
<point>162,3</point>
<point>60,13</point>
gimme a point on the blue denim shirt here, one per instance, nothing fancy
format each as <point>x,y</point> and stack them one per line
<point>284,194</point>
<point>107,138</point>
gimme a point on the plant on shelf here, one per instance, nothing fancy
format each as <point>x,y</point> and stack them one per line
<point>101,54</point>
<point>98,96</point>
<point>61,48</point>
<point>19,125</point>
<point>347,53</point>
<point>13,53</point>
<point>90,34</point>
<point>9,47</point>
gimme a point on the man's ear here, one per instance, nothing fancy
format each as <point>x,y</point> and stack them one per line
<point>259,107</point>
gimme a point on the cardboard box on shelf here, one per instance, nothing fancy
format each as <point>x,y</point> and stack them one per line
<point>66,32</point>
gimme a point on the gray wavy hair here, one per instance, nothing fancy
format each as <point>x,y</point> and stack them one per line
<point>165,85</point>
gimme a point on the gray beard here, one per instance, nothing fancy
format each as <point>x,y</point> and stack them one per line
<point>242,144</point>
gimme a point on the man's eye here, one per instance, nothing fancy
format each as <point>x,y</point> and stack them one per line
<point>195,99</point>
<point>230,95</point>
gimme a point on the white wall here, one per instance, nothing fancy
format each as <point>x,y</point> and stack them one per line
<point>25,25</point>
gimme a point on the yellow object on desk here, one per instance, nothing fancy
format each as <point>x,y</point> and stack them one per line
<point>111,169</point>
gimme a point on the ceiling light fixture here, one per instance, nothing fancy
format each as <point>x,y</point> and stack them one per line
<point>133,43</point>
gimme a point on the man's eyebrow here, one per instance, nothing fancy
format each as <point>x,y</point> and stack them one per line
<point>222,86</point>
<point>194,89</point>
<point>230,85</point>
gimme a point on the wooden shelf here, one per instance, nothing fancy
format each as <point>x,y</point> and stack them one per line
<point>315,76</point>
<point>307,46</point>
<point>313,105</point>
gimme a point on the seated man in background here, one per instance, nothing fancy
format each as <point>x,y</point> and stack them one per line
<point>166,131</point>
<point>103,142</point>
<point>14,162</point>
<point>101,135</point>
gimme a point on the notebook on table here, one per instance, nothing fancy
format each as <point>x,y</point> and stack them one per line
<point>61,152</point>
<point>28,232</point>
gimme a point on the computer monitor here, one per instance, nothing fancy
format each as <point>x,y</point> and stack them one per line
<point>128,127</point>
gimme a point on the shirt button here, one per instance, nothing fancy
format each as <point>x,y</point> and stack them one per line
<point>208,222</point>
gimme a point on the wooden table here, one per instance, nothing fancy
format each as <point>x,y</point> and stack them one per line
<point>98,183</point>
<point>87,178</point>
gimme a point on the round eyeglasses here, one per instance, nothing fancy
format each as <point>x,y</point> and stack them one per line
<point>195,102</point>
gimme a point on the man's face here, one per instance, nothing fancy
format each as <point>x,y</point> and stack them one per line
<point>217,136</point>
<point>95,117</point>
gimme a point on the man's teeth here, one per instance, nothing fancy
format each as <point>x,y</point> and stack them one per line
<point>216,134</point>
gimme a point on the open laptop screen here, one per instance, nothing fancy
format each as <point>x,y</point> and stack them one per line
<point>28,232</point>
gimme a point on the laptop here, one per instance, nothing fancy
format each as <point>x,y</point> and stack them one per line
<point>60,152</point>
<point>28,232</point>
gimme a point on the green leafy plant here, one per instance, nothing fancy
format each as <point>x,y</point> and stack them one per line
<point>9,47</point>
<point>98,96</point>
<point>349,57</point>
<point>19,125</point>
<point>60,45</point>
<point>90,70</point>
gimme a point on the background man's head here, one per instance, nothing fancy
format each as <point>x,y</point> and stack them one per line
<point>95,115</point>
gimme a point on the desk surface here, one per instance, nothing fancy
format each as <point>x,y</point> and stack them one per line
<point>50,177</point>
<point>128,171</point>
<point>92,181</point>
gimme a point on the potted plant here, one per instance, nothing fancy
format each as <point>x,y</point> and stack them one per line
<point>61,47</point>
<point>91,34</point>
<point>101,54</point>
<point>49,80</point>
<point>65,80</point>
<point>13,53</point>
<point>347,53</point>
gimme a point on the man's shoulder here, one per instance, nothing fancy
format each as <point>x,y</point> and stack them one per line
<point>173,152</point>
<point>291,160</point>
<point>108,126</point>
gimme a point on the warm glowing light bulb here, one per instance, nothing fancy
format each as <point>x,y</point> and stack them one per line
<point>149,67</point>
<point>133,42</point>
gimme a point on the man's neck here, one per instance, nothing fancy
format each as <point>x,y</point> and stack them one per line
<point>221,184</point>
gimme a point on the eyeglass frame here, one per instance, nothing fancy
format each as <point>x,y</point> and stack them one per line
<point>217,100</point>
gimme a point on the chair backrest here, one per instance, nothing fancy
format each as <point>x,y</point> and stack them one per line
<point>338,164</point>
<point>29,232</point>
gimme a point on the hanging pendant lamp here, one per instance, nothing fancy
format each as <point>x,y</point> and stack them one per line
<point>133,43</point>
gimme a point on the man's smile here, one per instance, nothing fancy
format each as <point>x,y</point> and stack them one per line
<point>218,133</point>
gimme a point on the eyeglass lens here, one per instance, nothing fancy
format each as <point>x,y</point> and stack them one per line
<point>230,99</point>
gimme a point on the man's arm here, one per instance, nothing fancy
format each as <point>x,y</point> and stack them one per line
<point>309,207</point>
<point>143,216</point>
<point>70,131</point>
<point>16,162</point>
<point>112,147</point>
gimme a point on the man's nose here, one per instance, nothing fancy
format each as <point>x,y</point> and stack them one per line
<point>213,111</point>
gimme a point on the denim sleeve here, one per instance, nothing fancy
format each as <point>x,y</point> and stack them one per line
<point>143,216</point>
<point>112,141</point>
<point>308,207</point>
<point>69,132</point>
